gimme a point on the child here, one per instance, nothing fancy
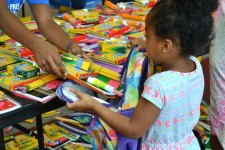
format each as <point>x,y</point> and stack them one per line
<point>170,104</point>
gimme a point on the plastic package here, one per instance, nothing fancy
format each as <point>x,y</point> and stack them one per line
<point>64,93</point>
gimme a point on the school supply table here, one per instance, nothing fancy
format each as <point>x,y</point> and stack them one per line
<point>28,109</point>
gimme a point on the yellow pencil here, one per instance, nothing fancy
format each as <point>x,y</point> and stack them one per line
<point>40,82</point>
<point>8,138</point>
<point>102,69</point>
<point>71,121</point>
<point>29,120</point>
<point>49,114</point>
<point>110,76</point>
<point>52,111</point>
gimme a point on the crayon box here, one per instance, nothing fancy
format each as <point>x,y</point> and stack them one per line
<point>23,70</point>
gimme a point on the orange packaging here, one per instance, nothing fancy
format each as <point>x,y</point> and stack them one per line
<point>132,17</point>
<point>110,5</point>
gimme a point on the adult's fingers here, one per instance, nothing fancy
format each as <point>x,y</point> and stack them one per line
<point>45,67</point>
<point>60,66</point>
<point>84,55</point>
<point>76,50</point>
<point>55,66</point>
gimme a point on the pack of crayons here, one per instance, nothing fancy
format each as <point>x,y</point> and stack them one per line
<point>13,82</point>
<point>112,58</point>
<point>22,142</point>
<point>89,66</point>
<point>7,60</point>
<point>86,16</point>
<point>83,19</point>
<point>31,25</point>
<point>4,38</point>
<point>40,81</point>
<point>136,35</point>
<point>114,46</point>
<point>104,10</point>
<point>79,73</point>
<point>17,51</point>
<point>110,29</point>
<point>77,67</point>
<point>55,135</point>
<point>76,62</point>
<point>23,70</point>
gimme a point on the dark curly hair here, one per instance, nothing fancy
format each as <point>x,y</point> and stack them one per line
<point>188,23</point>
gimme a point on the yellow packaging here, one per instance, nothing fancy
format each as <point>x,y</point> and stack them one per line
<point>23,70</point>
<point>22,142</point>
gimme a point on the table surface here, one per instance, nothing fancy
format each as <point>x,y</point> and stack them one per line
<point>28,109</point>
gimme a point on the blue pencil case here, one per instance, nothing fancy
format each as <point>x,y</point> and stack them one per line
<point>64,93</point>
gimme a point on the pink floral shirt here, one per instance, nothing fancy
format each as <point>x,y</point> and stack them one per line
<point>178,95</point>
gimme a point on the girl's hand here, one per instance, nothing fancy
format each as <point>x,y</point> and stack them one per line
<point>85,102</point>
<point>48,59</point>
<point>140,43</point>
<point>76,50</point>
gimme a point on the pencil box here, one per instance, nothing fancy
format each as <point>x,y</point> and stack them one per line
<point>64,93</point>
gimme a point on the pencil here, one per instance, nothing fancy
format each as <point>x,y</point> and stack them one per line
<point>29,120</point>
<point>52,111</point>
<point>104,70</point>
<point>82,144</point>
<point>49,114</point>
<point>8,138</point>
<point>40,82</point>
<point>71,121</point>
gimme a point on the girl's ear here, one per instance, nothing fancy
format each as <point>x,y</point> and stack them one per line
<point>166,46</point>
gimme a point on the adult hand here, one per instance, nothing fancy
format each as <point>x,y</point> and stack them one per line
<point>140,43</point>
<point>76,50</point>
<point>48,58</point>
<point>85,102</point>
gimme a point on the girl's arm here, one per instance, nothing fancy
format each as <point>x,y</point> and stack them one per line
<point>144,115</point>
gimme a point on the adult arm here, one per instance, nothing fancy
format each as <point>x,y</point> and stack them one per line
<point>46,55</point>
<point>52,31</point>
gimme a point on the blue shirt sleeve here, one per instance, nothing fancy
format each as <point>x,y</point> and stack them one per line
<point>154,93</point>
<point>38,2</point>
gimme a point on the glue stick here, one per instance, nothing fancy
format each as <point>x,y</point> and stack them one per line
<point>100,84</point>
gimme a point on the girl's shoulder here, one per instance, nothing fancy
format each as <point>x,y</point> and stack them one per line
<point>173,77</point>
